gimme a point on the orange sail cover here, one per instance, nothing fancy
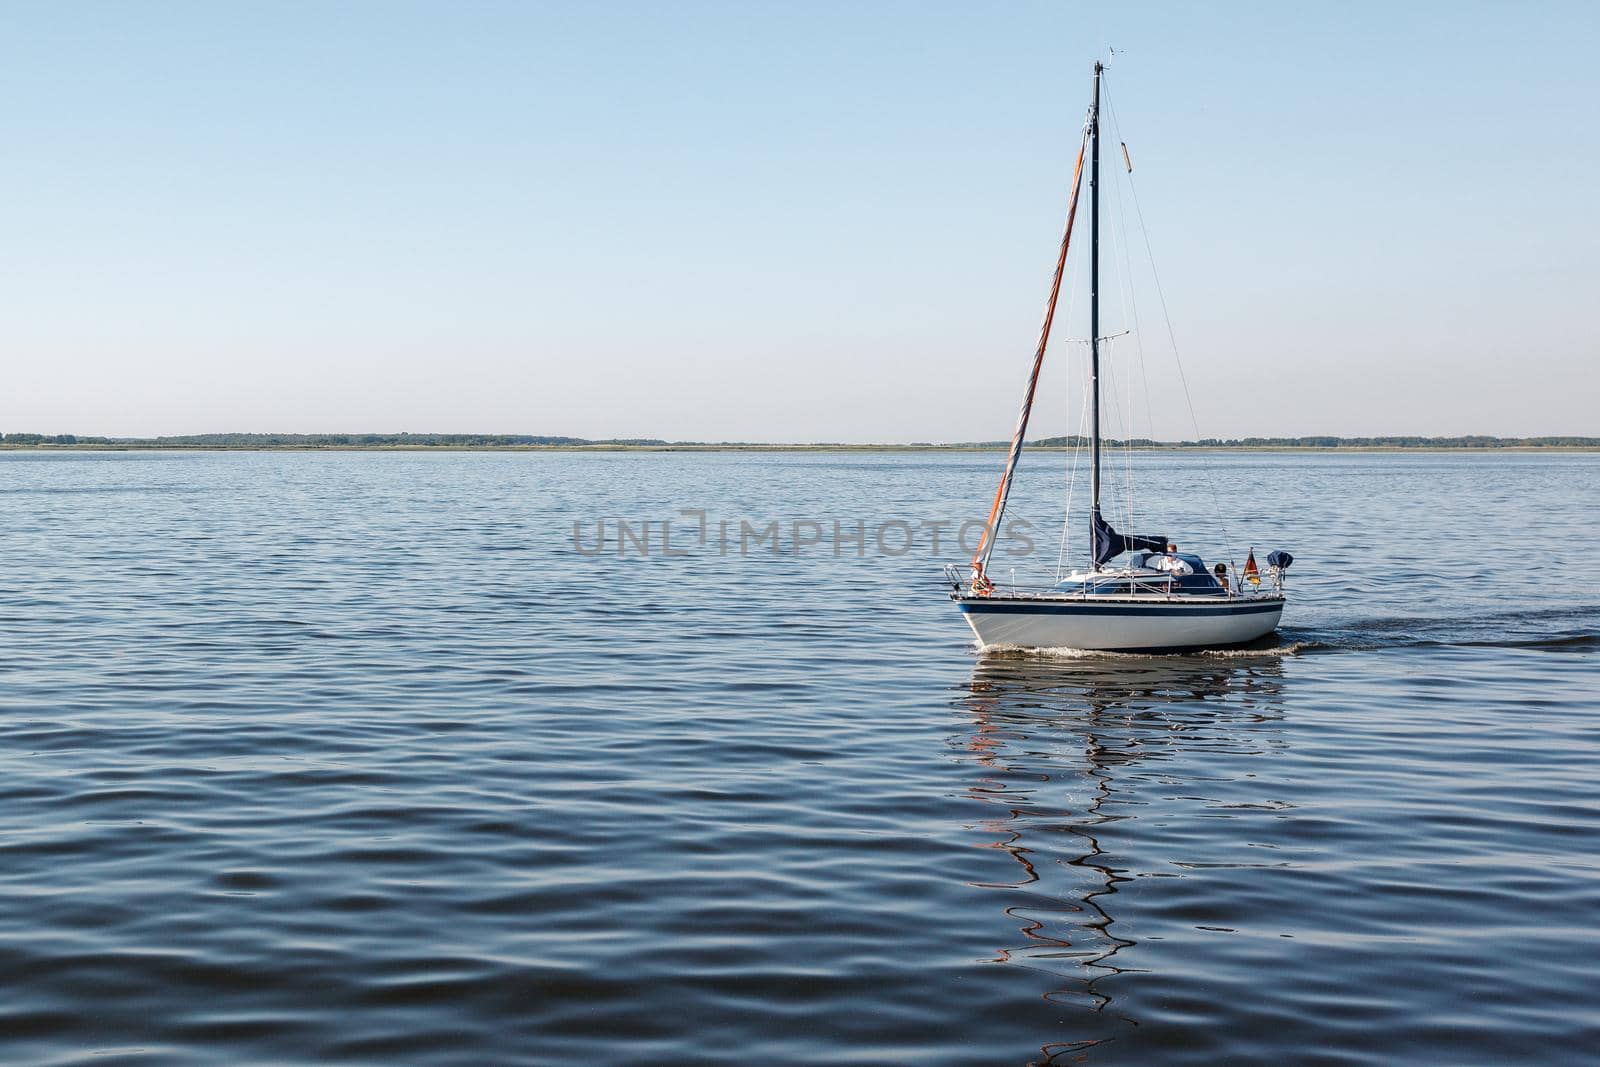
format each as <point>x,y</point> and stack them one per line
<point>981,584</point>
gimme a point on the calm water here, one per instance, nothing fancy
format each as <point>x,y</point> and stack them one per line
<point>356,758</point>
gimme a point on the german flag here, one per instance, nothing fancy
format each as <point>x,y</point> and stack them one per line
<point>1252,573</point>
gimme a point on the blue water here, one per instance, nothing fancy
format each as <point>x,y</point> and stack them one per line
<point>359,758</point>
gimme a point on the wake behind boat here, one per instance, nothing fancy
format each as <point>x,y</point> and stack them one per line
<point>1161,600</point>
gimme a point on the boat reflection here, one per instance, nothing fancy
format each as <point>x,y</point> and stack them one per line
<point>1068,751</point>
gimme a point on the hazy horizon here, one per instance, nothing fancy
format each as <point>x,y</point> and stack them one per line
<point>821,224</point>
<point>470,439</point>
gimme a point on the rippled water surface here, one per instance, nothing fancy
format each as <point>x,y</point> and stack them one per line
<point>359,758</point>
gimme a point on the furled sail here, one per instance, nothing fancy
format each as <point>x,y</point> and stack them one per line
<point>980,559</point>
<point>1108,543</point>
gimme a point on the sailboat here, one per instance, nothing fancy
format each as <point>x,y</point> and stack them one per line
<point>1157,600</point>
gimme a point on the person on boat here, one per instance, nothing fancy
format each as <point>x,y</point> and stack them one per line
<point>1221,571</point>
<point>1171,563</point>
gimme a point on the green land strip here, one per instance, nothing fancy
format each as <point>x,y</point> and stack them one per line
<point>531,443</point>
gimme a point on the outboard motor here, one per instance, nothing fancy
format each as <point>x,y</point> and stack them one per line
<point>1279,561</point>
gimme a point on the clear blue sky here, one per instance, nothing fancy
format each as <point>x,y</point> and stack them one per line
<point>786,222</point>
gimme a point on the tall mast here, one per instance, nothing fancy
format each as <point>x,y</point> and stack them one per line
<point>1094,309</point>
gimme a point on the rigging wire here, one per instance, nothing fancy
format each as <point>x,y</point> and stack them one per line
<point>1124,286</point>
<point>1074,447</point>
<point>1112,503</point>
<point>1078,444</point>
<point>1122,509</point>
<point>1072,478</point>
<point>1075,256</point>
<point>1205,464</point>
<point>1133,292</point>
<point>1130,295</point>
<point>1108,358</point>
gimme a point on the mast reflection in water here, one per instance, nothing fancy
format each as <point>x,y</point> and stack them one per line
<point>1085,762</point>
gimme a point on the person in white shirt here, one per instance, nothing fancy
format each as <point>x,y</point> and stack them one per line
<point>1171,563</point>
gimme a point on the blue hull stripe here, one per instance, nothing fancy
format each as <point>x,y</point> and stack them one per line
<point>1146,610</point>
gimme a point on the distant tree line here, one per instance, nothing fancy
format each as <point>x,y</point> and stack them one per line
<point>492,440</point>
<point>49,439</point>
<point>318,440</point>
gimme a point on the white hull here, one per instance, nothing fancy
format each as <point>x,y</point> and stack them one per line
<point>1120,624</point>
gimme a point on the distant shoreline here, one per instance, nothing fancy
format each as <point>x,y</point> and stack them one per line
<point>1587,445</point>
<point>487,442</point>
